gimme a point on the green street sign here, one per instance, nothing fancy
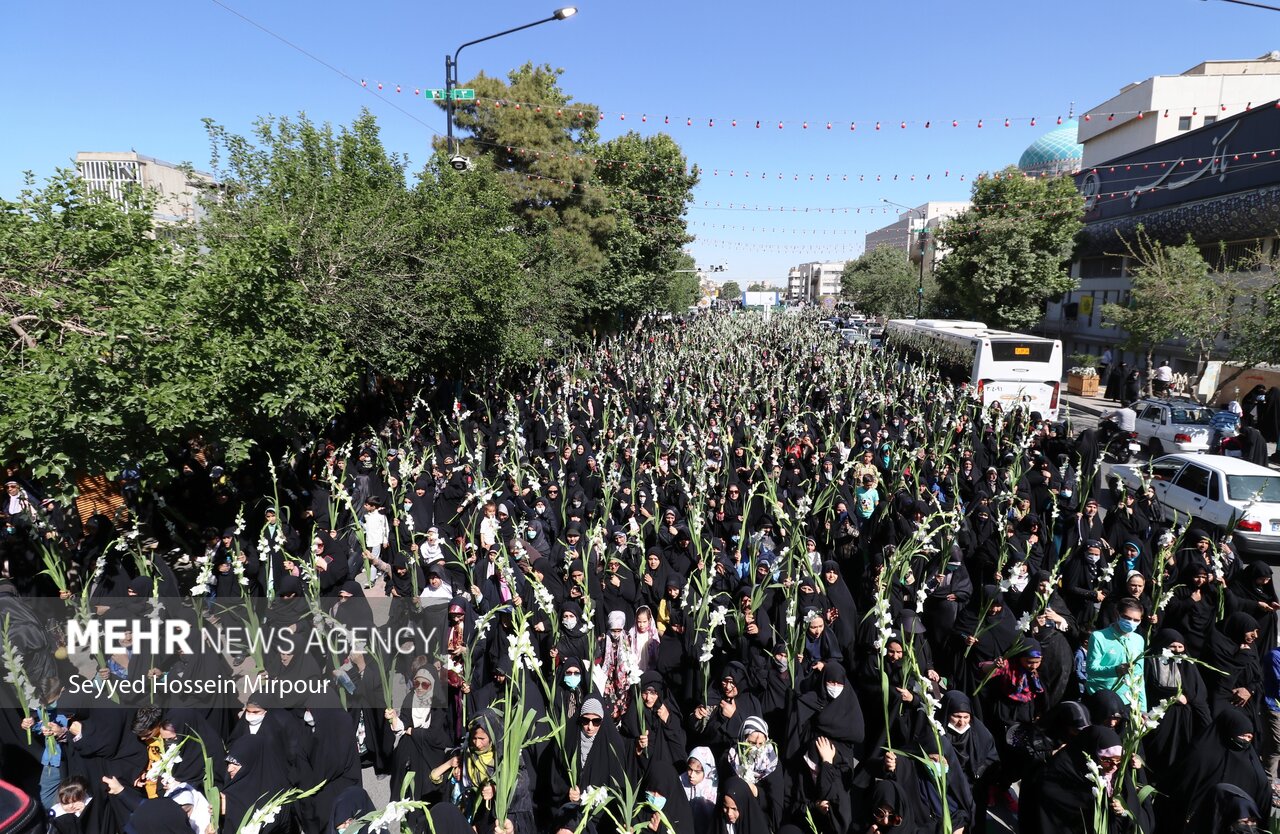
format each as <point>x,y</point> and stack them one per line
<point>458,95</point>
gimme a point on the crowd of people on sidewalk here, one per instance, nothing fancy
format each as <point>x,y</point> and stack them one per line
<point>714,576</point>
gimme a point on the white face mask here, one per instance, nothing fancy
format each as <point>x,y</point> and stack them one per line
<point>959,730</point>
<point>309,719</point>
<point>834,690</point>
<point>253,719</point>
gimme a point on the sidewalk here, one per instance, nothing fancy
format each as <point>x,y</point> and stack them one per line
<point>1093,406</point>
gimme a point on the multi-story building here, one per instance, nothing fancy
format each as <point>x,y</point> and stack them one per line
<point>176,188</point>
<point>795,285</point>
<point>904,234</point>
<point>1165,106</point>
<point>811,282</point>
<point>1216,183</point>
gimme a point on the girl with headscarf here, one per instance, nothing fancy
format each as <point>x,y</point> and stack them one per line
<point>739,812</point>
<point>754,760</point>
<point>701,788</point>
<point>1170,675</point>
<point>615,657</point>
<point>645,639</point>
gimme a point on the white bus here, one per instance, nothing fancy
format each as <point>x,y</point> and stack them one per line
<point>1001,367</point>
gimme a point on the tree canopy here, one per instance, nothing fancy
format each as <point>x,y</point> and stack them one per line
<point>1009,252</point>
<point>323,265</point>
<point>882,282</point>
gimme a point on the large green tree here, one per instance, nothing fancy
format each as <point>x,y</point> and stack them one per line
<point>544,143</point>
<point>882,282</point>
<point>648,183</point>
<point>408,278</point>
<point>126,343</point>
<point>1009,252</point>
<point>1172,296</point>
<point>730,291</point>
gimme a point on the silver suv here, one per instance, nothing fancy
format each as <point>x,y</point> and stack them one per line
<point>1173,425</point>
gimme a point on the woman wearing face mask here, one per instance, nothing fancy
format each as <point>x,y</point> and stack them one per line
<point>974,747</point>
<point>1114,658</point>
<point>613,650</point>
<point>1252,592</point>
<point>833,712</point>
<point>573,631</point>
<point>755,759</point>
<point>1235,812</point>
<point>1171,675</point>
<point>1224,752</point>
<point>1064,798</point>
<point>665,808</point>
<point>352,804</point>
<point>701,786</point>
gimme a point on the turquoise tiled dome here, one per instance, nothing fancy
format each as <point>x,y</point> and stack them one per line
<point>1055,152</point>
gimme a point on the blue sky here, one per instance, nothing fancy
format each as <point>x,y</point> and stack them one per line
<point>142,76</point>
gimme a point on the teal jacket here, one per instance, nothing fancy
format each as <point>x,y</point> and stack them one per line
<point>1109,648</point>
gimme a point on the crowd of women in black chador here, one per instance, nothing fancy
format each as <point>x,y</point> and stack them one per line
<point>769,585</point>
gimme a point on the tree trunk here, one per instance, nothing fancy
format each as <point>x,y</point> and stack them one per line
<point>1150,358</point>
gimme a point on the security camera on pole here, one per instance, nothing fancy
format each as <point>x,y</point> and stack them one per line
<point>451,93</point>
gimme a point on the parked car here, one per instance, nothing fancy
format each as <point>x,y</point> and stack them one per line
<point>853,336</point>
<point>1173,425</point>
<point>1229,493</point>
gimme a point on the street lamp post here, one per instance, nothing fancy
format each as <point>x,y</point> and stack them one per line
<point>922,239</point>
<point>451,63</point>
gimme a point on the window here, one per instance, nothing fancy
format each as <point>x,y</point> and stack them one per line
<point>1194,479</point>
<point>1192,416</point>
<point>1184,123</point>
<point>1164,470</point>
<point>1253,488</point>
<point>1215,491</point>
<point>1152,413</point>
<point>1108,266</point>
<point>1208,120</point>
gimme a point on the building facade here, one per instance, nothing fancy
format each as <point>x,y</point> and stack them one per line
<point>904,233</point>
<point>1218,184</point>
<point>810,283</point>
<point>177,189</point>
<point>1163,107</point>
